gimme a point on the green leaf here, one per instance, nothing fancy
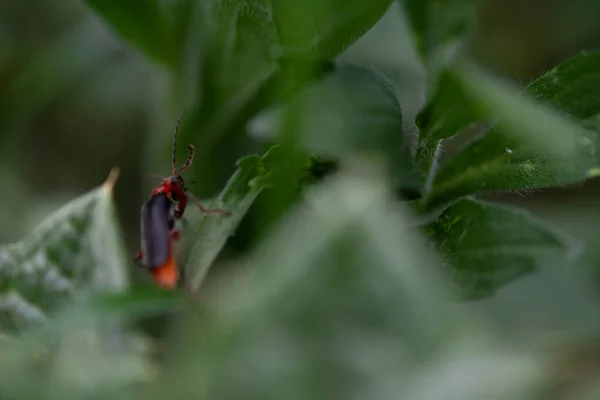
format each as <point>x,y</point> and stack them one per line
<point>48,279</point>
<point>573,86</point>
<point>75,351</point>
<point>142,22</point>
<point>240,56</point>
<point>438,27</point>
<point>237,43</point>
<point>339,289</point>
<point>352,112</point>
<point>75,252</point>
<point>489,245</point>
<point>323,29</point>
<point>532,145</point>
<point>447,112</point>
<point>244,186</point>
<point>471,372</point>
<point>227,72</point>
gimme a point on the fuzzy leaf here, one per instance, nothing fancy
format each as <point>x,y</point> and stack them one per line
<point>573,86</point>
<point>438,26</point>
<point>75,252</point>
<point>244,186</point>
<point>72,256</point>
<point>489,245</point>
<point>532,146</point>
<point>447,112</point>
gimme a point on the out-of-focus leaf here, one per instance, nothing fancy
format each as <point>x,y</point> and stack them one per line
<point>354,111</point>
<point>253,53</point>
<point>238,45</point>
<point>50,70</point>
<point>248,181</point>
<point>447,112</point>
<point>438,27</point>
<point>74,353</point>
<point>478,373</point>
<point>532,145</point>
<point>143,23</point>
<point>74,252</point>
<point>487,246</point>
<point>323,29</point>
<point>339,289</point>
<point>228,69</point>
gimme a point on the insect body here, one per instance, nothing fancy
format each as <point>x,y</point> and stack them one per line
<point>158,234</point>
<point>159,214</point>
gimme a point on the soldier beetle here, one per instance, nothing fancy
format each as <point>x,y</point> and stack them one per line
<point>159,215</point>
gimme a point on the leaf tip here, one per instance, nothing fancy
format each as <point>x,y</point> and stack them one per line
<point>112,178</point>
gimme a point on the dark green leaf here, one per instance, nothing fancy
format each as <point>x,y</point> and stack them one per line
<point>228,68</point>
<point>532,146</point>
<point>488,245</point>
<point>240,56</point>
<point>447,112</point>
<point>438,26</point>
<point>323,29</point>
<point>142,22</point>
<point>573,86</point>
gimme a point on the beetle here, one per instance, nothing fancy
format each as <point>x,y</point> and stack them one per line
<point>159,215</point>
<point>158,233</point>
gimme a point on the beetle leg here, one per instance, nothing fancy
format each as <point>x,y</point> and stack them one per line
<point>206,210</point>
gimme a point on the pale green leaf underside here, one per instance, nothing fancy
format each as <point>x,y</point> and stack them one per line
<point>241,190</point>
<point>74,252</point>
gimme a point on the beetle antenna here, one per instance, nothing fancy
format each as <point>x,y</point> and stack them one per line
<point>189,160</point>
<point>173,163</point>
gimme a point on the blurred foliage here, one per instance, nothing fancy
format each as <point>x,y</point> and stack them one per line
<point>366,255</point>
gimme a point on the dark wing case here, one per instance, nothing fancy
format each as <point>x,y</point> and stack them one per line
<point>157,221</point>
